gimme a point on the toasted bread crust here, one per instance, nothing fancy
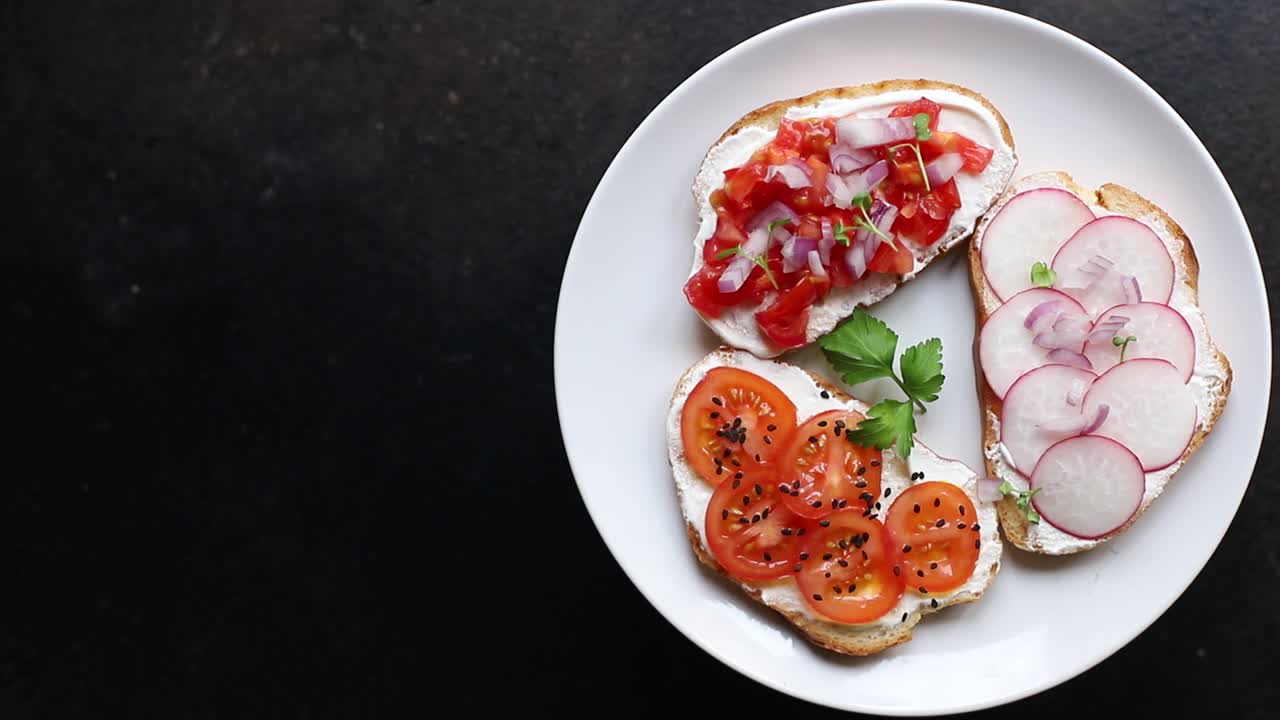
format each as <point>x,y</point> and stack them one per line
<point>844,639</point>
<point>1116,199</point>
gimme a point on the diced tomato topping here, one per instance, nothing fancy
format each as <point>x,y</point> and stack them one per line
<point>786,320</point>
<point>976,157</point>
<point>915,107</point>
<point>892,260</point>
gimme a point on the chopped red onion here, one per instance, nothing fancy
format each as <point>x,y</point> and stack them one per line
<point>736,273</point>
<point>943,168</point>
<point>875,174</point>
<point>795,173</point>
<point>795,252</point>
<point>845,159</point>
<point>1108,328</point>
<point>773,211</point>
<point>1043,310</point>
<point>858,133</point>
<point>1070,357</point>
<point>856,260</point>
<point>1132,293</point>
<point>989,490</point>
<point>841,193</point>
<point>815,264</point>
<point>827,242</point>
<point>1099,417</point>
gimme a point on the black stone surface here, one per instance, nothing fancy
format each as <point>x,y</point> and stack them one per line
<point>278,288</point>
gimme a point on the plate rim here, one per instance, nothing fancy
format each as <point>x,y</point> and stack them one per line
<point>999,14</point>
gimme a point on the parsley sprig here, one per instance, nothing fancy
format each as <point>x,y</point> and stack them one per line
<point>863,348</point>
<point>757,259</point>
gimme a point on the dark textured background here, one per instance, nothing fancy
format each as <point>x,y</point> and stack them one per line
<point>279,283</point>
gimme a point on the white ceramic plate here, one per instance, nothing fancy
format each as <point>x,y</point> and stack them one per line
<point>623,327</point>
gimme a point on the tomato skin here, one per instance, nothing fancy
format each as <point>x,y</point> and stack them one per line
<point>786,321</point>
<point>890,260</point>
<point>861,589</point>
<point>940,558</point>
<point>727,235</point>
<point>820,466</point>
<point>725,423</point>
<point>749,532</point>
<point>915,107</point>
<point>739,182</point>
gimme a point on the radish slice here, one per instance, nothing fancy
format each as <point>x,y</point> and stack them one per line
<point>1161,333</point>
<point>1033,408</point>
<point>1131,247</point>
<point>1029,229</point>
<point>1153,412</point>
<point>1006,349</point>
<point>1088,486</point>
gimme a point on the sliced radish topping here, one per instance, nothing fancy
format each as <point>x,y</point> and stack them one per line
<point>1087,486</point>
<point>1160,330</point>
<point>1153,412</point>
<point>1036,413</point>
<point>1129,248</point>
<point>858,133</point>
<point>1029,229</point>
<point>1006,349</point>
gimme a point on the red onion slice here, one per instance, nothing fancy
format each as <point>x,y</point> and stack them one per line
<point>1132,293</point>
<point>856,260</point>
<point>1040,312</point>
<point>875,174</point>
<point>827,242</point>
<point>736,273</point>
<point>943,168</point>
<point>795,173</point>
<point>845,159</point>
<point>773,211</point>
<point>1070,357</point>
<point>795,252</point>
<point>989,490</point>
<point>815,264</point>
<point>1099,417</point>
<point>1108,328</point>
<point>841,193</point>
<point>858,133</point>
<point>1076,394</point>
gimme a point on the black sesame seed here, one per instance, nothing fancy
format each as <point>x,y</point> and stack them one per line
<point>919,573</point>
<point>906,548</point>
<point>759,489</point>
<point>785,488</point>
<point>843,544</point>
<point>717,461</point>
<point>924,590</point>
<point>962,510</point>
<point>857,541</point>
<point>727,452</point>
<point>933,566</point>
<point>736,462</point>
<point>888,492</point>
<point>719,470</point>
<point>800,532</point>
<point>795,492</point>
<point>736,481</point>
<point>975,527</point>
<point>744,521</point>
<point>737,422</point>
<point>724,514</point>
<point>746,500</point>
<point>813,439</point>
<point>860,484</point>
<point>772,427</point>
<point>933,602</point>
<point>786,531</point>
<point>960,526</point>
<point>853,588</point>
<point>824,523</point>
<point>797,568</point>
<point>940,523</point>
<point>843,562</point>
<point>837,589</point>
<point>764,514</point>
<point>865,556</point>
<point>862,470</point>
<point>804,556</point>
<point>757,457</point>
<point>937,502</point>
<point>866,536</point>
<point>768,440</point>
<point>817,503</point>
<point>716,400</point>
<point>897,570</point>
<point>822,423</point>
<point>875,463</point>
<point>825,395</point>
<point>755,518</point>
<point>866,497</point>
<point>877,505</point>
<point>915,508</point>
<point>768,557</point>
<point>714,415</point>
<point>826,556</point>
<point>904,617</point>
<point>827,574</point>
<point>817,597</point>
<point>977,543</point>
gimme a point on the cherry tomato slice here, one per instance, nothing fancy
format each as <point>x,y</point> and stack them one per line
<point>821,471</point>
<point>847,568</point>
<point>733,421</point>
<point>931,523</point>
<point>750,532</point>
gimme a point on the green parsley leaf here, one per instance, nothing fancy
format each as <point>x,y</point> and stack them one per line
<point>841,233</point>
<point>1042,275</point>
<point>888,422</point>
<point>921,367</point>
<point>921,121</point>
<point>779,223</point>
<point>861,348</point>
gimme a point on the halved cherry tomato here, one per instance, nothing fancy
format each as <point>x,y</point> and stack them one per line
<point>821,471</point>
<point>915,107</point>
<point>847,568</point>
<point>750,532</point>
<point>889,259</point>
<point>932,525</point>
<point>734,420</point>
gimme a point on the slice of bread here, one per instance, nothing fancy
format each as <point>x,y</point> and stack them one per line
<point>1211,382</point>
<point>974,115</point>
<point>807,391</point>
